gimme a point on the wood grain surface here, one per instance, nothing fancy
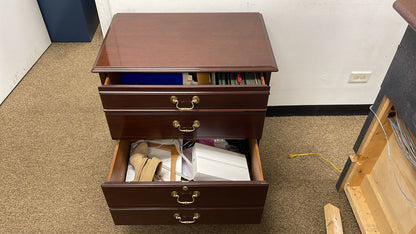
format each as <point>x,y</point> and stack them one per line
<point>220,215</point>
<point>407,9</point>
<point>186,42</point>
<point>158,97</point>
<point>155,124</point>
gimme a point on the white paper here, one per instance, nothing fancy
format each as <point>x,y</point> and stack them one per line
<point>210,163</point>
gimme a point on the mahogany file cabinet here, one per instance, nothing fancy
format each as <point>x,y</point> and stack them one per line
<point>184,42</point>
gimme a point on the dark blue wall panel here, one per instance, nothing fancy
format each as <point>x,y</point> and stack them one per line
<point>69,20</point>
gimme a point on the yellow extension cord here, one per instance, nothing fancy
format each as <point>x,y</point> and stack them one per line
<point>320,155</point>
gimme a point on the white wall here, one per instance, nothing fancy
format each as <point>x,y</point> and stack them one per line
<point>24,38</point>
<point>317,43</point>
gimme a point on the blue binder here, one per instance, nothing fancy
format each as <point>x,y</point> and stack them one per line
<point>152,78</point>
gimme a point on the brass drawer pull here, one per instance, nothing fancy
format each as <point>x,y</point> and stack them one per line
<point>177,125</point>
<point>175,100</point>
<point>175,194</point>
<point>178,217</point>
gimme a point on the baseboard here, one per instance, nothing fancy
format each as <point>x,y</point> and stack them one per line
<point>315,110</point>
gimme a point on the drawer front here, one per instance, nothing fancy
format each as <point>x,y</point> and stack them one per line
<point>160,125</point>
<point>152,194</point>
<point>161,97</point>
<point>239,215</point>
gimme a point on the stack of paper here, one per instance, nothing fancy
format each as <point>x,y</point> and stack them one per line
<point>213,164</point>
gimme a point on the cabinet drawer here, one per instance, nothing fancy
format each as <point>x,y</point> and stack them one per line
<point>120,194</point>
<point>233,215</point>
<point>136,124</point>
<point>160,97</point>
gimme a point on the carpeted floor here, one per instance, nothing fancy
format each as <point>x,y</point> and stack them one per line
<point>56,150</point>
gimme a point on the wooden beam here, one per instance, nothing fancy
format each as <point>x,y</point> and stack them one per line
<point>382,185</point>
<point>371,147</point>
<point>375,203</point>
<point>332,219</point>
<point>361,210</point>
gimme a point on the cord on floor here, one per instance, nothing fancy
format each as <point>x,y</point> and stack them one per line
<point>320,155</point>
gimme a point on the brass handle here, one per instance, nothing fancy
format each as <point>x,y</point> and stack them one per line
<point>175,100</point>
<point>175,194</point>
<point>177,125</point>
<point>178,217</point>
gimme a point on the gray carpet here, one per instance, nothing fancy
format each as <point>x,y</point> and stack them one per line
<point>56,150</point>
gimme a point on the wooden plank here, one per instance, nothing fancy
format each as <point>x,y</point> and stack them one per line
<point>401,212</point>
<point>353,168</point>
<point>413,230</point>
<point>375,203</point>
<point>361,210</point>
<point>332,219</point>
<point>371,146</point>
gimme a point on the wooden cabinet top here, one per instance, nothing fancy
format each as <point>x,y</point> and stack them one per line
<point>407,9</point>
<point>186,42</point>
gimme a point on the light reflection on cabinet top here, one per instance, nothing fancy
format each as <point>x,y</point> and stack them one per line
<point>169,42</point>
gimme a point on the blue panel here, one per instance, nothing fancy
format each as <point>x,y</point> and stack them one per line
<point>91,16</point>
<point>69,20</point>
<point>151,78</point>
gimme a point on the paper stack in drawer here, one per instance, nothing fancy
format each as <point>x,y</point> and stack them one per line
<point>214,164</point>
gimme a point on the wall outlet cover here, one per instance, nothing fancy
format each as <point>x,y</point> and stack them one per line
<point>359,76</point>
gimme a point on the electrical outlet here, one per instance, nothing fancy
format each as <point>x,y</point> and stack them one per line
<point>359,76</point>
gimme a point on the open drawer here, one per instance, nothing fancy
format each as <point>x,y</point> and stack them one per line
<point>120,194</point>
